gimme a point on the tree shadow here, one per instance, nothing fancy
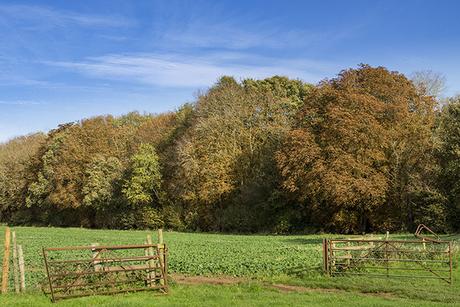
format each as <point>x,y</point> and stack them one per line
<point>301,241</point>
<point>305,270</point>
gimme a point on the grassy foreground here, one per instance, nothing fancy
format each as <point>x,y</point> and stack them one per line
<point>260,260</point>
<point>234,295</point>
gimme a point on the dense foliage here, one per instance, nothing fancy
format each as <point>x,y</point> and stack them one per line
<point>365,151</point>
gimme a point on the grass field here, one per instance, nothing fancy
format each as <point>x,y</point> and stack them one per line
<point>233,295</point>
<point>258,260</point>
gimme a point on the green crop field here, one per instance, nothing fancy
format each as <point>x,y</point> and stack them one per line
<point>259,260</point>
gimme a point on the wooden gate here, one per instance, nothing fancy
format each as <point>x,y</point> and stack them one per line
<point>388,258</point>
<point>88,270</point>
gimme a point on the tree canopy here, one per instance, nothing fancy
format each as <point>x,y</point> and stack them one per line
<point>368,150</point>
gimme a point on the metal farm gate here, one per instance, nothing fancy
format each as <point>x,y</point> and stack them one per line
<point>87,270</point>
<point>389,258</point>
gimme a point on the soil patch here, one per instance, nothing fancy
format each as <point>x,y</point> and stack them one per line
<point>228,280</point>
<point>215,280</point>
<point>291,288</point>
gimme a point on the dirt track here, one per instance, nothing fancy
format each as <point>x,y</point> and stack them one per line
<point>228,280</point>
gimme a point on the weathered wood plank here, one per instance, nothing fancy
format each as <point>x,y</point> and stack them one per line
<point>6,261</point>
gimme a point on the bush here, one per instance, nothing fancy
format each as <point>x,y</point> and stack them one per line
<point>172,220</point>
<point>431,210</point>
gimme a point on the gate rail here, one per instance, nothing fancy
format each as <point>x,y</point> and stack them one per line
<point>389,258</point>
<point>76,271</point>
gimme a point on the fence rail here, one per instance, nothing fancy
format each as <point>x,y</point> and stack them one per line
<point>76,271</point>
<point>389,258</point>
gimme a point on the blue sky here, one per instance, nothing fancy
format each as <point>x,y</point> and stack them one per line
<point>61,61</point>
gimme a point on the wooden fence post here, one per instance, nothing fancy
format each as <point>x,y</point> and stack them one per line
<point>95,255</point>
<point>21,268</point>
<point>6,261</point>
<point>146,253</point>
<point>325,258</point>
<point>450,262</point>
<point>151,276</point>
<point>161,255</point>
<point>348,261</point>
<point>15,262</point>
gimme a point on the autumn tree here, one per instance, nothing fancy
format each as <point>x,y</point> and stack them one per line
<point>226,158</point>
<point>41,181</point>
<point>358,148</point>
<point>15,163</point>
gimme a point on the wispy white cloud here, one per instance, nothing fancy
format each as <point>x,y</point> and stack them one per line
<point>116,38</point>
<point>205,34</point>
<point>176,70</point>
<point>18,80</point>
<point>216,26</point>
<point>20,102</point>
<point>52,17</point>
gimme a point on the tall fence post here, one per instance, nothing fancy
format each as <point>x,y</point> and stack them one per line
<point>325,257</point>
<point>165,265</point>
<point>21,268</point>
<point>450,262</point>
<point>151,276</point>
<point>386,258</point>
<point>6,261</point>
<point>95,256</point>
<point>15,263</point>
<point>331,262</point>
<point>161,250</point>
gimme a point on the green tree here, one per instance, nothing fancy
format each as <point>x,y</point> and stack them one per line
<point>448,135</point>
<point>102,180</point>
<point>143,187</point>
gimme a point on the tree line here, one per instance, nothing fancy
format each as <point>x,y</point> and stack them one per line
<point>369,150</point>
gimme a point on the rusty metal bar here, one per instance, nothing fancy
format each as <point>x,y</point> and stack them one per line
<point>144,268</point>
<point>418,234</point>
<point>402,260</point>
<point>104,283</point>
<point>429,269</point>
<point>385,275</point>
<point>109,292</point>
<point>77,276</point>
<point>392,241</point>
<point>66,287</point>
<point>48,273</point>
<point>351,257</point>
<point>384,268</point>
<point>102,260</point>
<point>107,247</point>
<point>338,249</point>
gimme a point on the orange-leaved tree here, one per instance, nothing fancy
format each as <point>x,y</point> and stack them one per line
<point>358,149</point>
